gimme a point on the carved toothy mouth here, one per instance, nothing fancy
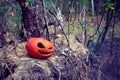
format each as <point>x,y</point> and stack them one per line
<point>43,52</point>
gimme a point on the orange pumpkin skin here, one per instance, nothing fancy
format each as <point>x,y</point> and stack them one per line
<point>39,48</point>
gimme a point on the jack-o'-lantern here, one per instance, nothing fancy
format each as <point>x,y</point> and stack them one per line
<point>39,48</point>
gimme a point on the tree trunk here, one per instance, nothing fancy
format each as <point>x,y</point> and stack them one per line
<point>32,18</point>
<point>92,4</point>
<point>103,34</point>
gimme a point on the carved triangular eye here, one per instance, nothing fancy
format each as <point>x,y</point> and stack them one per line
<point>40,45</point>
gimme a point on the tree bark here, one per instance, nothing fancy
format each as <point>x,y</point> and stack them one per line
<point>32,18</point>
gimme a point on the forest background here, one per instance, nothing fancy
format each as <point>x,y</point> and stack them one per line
<point>93,23</point>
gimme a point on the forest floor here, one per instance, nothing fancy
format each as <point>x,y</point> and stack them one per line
<point>15,62</point>
<point>105,65</point>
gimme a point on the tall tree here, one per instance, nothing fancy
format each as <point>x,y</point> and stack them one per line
<point>111,9</point>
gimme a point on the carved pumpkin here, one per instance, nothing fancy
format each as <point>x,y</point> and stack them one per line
<point>39,48</point>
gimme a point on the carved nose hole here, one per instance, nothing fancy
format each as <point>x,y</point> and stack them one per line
<point>40,45</point>
<point>50,48</point>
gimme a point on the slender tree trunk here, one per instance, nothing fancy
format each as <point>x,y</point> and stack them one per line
<point>92,3</point>
<point>2,32</point>
<point>105,30</point>
<point>84,25</point>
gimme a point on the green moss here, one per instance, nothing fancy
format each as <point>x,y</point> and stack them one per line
<point>90,30</point>
<point>78,30</point>
<point>73,29</point>
<point>117,30</point>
